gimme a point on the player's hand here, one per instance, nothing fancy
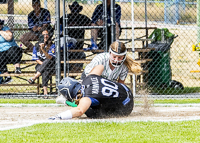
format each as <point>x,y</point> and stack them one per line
<point>42,46</point>
<point>99,22</point>
<point>34,28</point>
<point>39,28</point>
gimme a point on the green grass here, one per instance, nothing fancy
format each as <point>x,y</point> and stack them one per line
<point>27,101</point>
<point>51,101</point>
<point>171,91</point>
<point>129,132</point>
<point>178,101</point>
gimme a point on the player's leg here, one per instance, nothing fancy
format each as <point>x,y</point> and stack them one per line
<point>126,110</point>
<point>26,38</point>
<point>15,54</point>
<point>94,112</point>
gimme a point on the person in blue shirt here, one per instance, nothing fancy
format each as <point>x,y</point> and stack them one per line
<point>44,55</point>
<point>10,52</point>
<point>97,20</point>
<point>38,20</point>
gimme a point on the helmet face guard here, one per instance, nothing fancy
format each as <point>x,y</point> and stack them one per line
<point>69,88</point>
<point>117,63</point>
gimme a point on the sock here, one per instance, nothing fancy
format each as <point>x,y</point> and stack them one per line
<point>65,115</point>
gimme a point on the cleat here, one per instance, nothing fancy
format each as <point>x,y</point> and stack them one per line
<point>55,118</point>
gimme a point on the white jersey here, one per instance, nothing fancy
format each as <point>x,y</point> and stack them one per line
<point>103,59</point>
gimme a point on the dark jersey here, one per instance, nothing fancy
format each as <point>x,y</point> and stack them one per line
<point>43,18</point>
<point>41,56</point>
<point>114,99</point>
<point>105,91</point>
<point>98,13</point>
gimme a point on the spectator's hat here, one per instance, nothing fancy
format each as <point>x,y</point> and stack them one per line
<point>75,7</point>
<point>1,22</point>
<point>35,1</point>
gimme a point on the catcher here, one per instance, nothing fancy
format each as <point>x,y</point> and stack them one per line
<point>116,63</point>
<point>97,97</point>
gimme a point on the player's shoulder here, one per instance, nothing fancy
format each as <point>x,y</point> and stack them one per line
<point>31,14</point>
<point>102,55</point>
<point>99,8</point>
<point>117,5</point>
<point>44,11</point>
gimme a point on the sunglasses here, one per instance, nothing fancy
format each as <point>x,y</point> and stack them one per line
<point>45,34</point>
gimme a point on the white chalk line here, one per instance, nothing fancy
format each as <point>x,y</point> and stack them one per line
<point>27,123</point>
<point>62,105</point>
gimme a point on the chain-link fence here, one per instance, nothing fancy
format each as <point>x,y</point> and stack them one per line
<point>172,71</point>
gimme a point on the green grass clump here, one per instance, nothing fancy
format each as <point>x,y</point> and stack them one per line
<point>106,132</point>
<point>27,101</point>
<point>52,101</point>
<point>177,101</point>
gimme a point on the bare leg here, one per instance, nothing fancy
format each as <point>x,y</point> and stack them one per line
<point>94,32</point>
<point>17,65</point>
<point>36,76</point>
<point>45,90</point>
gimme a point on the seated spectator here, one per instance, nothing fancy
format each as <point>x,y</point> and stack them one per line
<point>44,54</point>
<point>76,19</point>
<point>38,19</point>
<point>97,20</point>
<point>10,52</point>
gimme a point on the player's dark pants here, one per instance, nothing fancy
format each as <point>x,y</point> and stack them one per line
<point>46,70</point>
<point>12,56</point>
<point>112,109</point>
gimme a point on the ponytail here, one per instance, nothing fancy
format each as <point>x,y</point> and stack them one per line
<point>132,65</point>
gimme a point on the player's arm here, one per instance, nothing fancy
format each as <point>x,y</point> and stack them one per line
<point>78,111</point>
<point>97,70</point>
<point>123,75</point>
<point>44,51</point>
<point>82,107</point>
<point>117,31</point>
<point>35,57</point>
<point>7,35</point>
<point>121,81</point>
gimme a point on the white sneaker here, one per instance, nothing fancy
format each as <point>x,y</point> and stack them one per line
<point>61,99</point>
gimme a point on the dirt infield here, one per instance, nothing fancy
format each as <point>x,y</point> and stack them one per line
<point>15,117</point>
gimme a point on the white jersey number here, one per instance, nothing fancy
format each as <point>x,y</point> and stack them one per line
<point>110,88</point>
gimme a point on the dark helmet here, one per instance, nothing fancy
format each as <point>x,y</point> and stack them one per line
<point>69,88</point>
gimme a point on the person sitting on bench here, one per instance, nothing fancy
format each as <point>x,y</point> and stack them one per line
<point>10,52</point>
<point>44,54</point>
